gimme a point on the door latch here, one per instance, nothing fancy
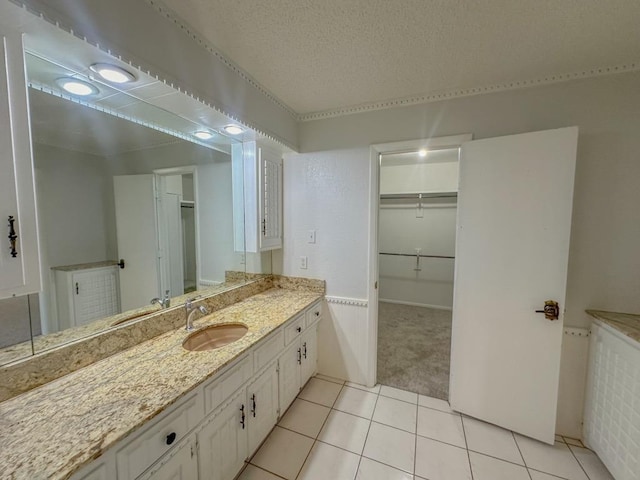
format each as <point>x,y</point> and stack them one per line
<point>551,310</point>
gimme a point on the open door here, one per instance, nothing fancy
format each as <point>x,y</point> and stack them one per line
<point>512,247</point>
<point>136,232</point>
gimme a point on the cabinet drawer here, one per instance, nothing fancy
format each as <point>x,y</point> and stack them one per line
<point>270,349</point>
<point>150,445</point>
<point>314,313</point>
<point>222,388</point>
<point>293,329</point>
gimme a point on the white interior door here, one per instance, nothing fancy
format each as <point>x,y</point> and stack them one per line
<point>512,246</point>
<point>137,239</point>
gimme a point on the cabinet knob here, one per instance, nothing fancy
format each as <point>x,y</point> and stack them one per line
<point>299,329</point>
<point>171,438</point>
<point>317,314</point>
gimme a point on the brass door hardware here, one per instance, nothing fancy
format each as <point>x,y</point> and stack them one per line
<point>551,310</point>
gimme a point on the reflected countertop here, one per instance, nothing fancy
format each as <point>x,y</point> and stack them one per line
<point>52,431</point>
<point>626,323</point>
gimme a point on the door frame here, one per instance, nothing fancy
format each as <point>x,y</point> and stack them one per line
<point>375,151</point>
<point>187,170</point>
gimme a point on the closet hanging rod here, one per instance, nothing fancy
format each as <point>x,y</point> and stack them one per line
<point>417,196</point>
<point>413,255</point>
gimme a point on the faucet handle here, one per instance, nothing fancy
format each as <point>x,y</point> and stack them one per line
<point>188,304</point>
<point>166,293</point>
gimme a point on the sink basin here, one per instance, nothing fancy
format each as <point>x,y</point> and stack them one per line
<point>215,336</point>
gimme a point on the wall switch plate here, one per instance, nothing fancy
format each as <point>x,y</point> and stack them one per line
<point>311,236</point>
<point>303,263</point>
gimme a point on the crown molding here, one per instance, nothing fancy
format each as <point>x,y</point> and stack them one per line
<point>165,11</point>
<point>468,92</point>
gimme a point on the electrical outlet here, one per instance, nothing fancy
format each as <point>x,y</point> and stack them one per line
<point>303,263</point>
<point>311,236</point>
<point>243,259</point>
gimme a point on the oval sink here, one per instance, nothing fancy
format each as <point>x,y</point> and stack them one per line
<point>215,336</point>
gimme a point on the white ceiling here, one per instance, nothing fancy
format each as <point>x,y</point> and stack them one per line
<point>329,55</point>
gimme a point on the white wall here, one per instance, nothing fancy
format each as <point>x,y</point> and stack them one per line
<point>604,260</point>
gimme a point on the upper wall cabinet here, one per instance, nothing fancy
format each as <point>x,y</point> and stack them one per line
<point>19,261</point>
<point>261,169</point>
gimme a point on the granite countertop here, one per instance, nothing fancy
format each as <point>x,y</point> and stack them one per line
<point>52,431</point>
<point>626,323</point>
<point>85,266</point>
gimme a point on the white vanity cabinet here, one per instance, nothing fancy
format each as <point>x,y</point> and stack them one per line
<point>260,169</point>
<point>211,433</point>
<point>299,361</point>
<point>19,266</point>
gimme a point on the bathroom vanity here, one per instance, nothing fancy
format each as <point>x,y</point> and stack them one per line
<point>158,410</point>
<point>612,413</point>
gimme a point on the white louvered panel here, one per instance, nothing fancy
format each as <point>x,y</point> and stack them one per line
<point>95,294</point>
<point>612,416</point>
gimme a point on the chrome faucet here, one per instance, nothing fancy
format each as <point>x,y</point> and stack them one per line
<point>165,302</point>
<point>190,310</point>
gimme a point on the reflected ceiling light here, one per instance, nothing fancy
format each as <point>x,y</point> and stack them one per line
<point>233,129</point>
<point>112,73</point>
<point>422,152</point>
<point>76,87</point>
<point>203,135</point>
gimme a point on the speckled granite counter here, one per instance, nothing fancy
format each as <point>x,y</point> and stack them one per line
<point>626,323</point>
<point>52,431</point>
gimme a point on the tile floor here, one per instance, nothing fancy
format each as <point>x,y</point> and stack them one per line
<point>342,431</point>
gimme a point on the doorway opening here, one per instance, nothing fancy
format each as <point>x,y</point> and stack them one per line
<point>416,245</point>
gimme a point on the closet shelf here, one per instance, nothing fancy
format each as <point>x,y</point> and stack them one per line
<point>414,255</point>
<point>417,196</point>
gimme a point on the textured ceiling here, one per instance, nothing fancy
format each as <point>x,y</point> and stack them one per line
<point>325,55</point>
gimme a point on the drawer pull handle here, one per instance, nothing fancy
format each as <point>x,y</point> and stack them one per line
<point>12,237</point>
<point>317,314</point>
<point>299,329</point>
<point>242,416</point>
<point>305,349</point>
<point>171,438</point>
<point>253,405</point>
<point>299,357</point>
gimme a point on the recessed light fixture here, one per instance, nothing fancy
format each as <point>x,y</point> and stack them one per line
<point>112,73</point>
<point>422,152</point>
<point>203,135</point>
<point>233,129</point>
<point>76,86</point>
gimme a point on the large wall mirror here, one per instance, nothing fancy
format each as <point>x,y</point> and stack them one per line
<point>130,204</point>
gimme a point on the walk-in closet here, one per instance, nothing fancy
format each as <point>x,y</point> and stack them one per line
<point>416,246</point>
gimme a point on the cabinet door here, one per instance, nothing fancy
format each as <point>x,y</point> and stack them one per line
<point>308,344</point>
<point>262,400</point>
<point>270,188</point>
<point>178,465</point>
<point>289,377</point>
<point>19,270</point>
<point>222,443</point>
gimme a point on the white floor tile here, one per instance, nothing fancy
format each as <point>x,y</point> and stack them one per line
<point>283,453</point>
<point>328,462</point>
<point>345,431</point>
<point>439,461</point>
<point>255,473</point>
<point>390,446</point>
<point>356,402</point>
<point>491,440</point>
<point>329,379</point>
<point>489,468</point>
<point>441,426</point>
<point>535,475</point>
<point>435,403</point>
<point>554,459</point>
<point>591,463</point>
<point>374,389</point>
<point>395,413</point>
<point>399,394</point>
<point>320,391</point>
<point>573,441</point>
<point>305,417</point>
<point>372,470</point>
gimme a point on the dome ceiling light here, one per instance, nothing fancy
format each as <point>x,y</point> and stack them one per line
<point>233,129</point>
<point>112,73</point>
<point>76,86</point>
<point>203,135</point>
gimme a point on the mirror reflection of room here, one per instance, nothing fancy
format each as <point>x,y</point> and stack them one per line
<point>416,241</point>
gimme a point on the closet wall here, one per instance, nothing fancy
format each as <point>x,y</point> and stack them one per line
<point>414,226</point>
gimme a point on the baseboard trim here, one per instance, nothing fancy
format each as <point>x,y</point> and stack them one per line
<point>355,302</point>
<point>415,304</point>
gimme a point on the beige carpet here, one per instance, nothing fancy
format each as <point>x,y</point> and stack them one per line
<point>414,348</point>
